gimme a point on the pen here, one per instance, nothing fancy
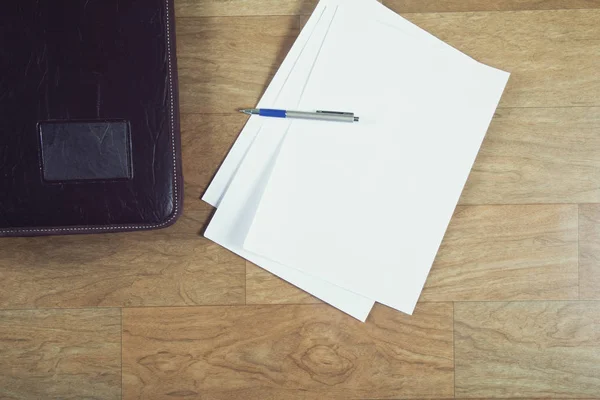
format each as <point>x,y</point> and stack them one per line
<point>317,115</point>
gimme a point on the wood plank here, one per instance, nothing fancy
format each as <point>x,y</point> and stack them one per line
<point>245,8</point>
<point>60,354</point>
<point>221,8</point>
<point>423,6</point>
<point>229,8</point>
<point>589,251</point>
<point>552,55</point>
<point>527,349</point>
<point>262,287</point>
<point>538,156</point>
<point>172,267</point>
<point>291,352</point>
<point>205,141</point>
<point>518,252</point>
<point>528,156</point>
<point>226,63</point>
<point>507,253</point>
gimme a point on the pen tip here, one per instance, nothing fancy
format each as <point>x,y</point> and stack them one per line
<point>249,111</point>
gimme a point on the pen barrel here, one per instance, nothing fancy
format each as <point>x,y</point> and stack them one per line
<point>320,116</point>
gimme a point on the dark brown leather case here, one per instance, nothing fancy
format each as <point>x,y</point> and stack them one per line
<point>89,121</point>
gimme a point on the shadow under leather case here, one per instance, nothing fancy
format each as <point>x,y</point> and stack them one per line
<point>89,120</point>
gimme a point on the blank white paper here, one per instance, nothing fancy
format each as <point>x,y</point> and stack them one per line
<point>218,186</point>
<point>234,216</point>
<point>366,205</point>
<point>272,96</point>
<point>236,207</point>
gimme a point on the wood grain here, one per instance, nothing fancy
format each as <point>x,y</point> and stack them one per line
<point>286,352</point>
<point>538,156</point>
<point>424,6</point>
<point>529,349</point>
<point>205,141</point>
<point>66,354</point>
<point>510,239</point>
<point>589,251</point>
<point>552,55</point>
<point>231,8</point>
<point>245,8</point>
<point>507,253</point>
<point>222,8</point>
<point>173,267</point>
<point>262,287</point>
<point>489,253</point>
<point>226,63</point>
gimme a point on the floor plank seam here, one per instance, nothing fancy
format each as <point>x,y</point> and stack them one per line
<point>397,11</point>
<point>578,252</point>
<point>204,306</point>
<point>121,353</point>
<point>454,347</point>
<point>496,11</point>
<point>90,307</point>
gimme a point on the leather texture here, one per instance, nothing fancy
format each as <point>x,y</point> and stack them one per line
<point>78,151</point>
<point>89,121</point>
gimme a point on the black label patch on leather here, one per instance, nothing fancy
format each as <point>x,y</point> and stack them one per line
<point>85,150</point>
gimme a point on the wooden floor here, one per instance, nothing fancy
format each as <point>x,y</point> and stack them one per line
<point>512,306</point>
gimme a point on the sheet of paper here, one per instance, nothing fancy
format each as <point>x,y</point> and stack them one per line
<point>234,216</point>
<point>236,209</point>
<point>272,98</point>
<point>220,182</point>
<point>366,205</point>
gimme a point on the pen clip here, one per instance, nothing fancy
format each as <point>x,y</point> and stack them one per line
<point>335,112</point>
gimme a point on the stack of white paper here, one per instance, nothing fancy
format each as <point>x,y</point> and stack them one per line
<point>355,213</point>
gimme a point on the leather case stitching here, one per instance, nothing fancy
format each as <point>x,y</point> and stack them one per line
<point>174,151</point>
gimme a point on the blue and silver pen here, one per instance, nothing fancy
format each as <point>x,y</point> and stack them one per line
<point>317,115</point>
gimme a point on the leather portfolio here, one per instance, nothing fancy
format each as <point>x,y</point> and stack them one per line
<point>89,121</point>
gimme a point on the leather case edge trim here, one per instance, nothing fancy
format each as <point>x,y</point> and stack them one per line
<point>176,151</point>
